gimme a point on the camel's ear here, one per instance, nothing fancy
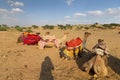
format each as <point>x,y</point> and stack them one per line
<point>87,34</point>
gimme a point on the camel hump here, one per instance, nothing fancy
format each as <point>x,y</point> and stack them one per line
<point>99,66</point>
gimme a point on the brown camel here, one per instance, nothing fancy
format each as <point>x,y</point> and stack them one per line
<point>98,63</point>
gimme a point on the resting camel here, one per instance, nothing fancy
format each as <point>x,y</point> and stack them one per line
<point>74,47</point>
<point>98,63</point>
<point>60,42</point>
<point>49,40</point>
<point>22,37</point>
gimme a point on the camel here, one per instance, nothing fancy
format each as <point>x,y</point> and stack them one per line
<point>22,37</point>
<point>74,52</point>
<point>52,41</point>
<point>98,63</point>
<point>60,42</point>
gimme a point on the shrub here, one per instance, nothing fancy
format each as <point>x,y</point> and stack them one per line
<point>18,28</point>
<point>48,27</point>
<point>61,27</point>
<point>114,24</point>
<point>78,27</point>
<point>29,27</point>
<point>3,29</point>
<point>34,26</point>
<point>107,26</point>
<point>86,28</point>
<point>29,30</point>
<point>68,26</point>
<point>93,26</point>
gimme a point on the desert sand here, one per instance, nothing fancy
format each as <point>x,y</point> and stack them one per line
<point>27,62</point>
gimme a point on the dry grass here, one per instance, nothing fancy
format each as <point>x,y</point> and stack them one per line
<point>23,62</point>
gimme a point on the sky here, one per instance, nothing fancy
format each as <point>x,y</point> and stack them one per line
<point>53,12</point>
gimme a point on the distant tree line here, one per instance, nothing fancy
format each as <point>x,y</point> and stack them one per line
<point>4,27</point>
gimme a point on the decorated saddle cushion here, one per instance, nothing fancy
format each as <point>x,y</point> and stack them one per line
<point>74,43</point>
<point>71,52</point>
<point>32,39</point>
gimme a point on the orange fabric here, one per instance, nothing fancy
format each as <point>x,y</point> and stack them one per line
<point>74,42</point>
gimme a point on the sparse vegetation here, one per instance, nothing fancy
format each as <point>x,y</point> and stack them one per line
<point>18,28</point>
<point>29,30</point>
<point>78,27</point>
<point>4,27</point>
<point>35,26</point>
<point>86,28</point>
<point>93,25</point>
<point>62,27</point>
<point>48,27</point>
<point>65,27</point>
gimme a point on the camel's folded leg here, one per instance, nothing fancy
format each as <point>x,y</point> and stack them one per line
<point>88,65</point>
<point>57,43</point>
<point>105,58</point>
<point>41,44</point>
<point>99,66</point>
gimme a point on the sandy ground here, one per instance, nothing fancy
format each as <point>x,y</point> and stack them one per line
<point>23,62</point>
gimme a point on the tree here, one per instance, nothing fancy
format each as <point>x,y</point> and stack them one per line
<point>62,27</point>
<point>3,27</point>
<point>18,28</point>
<point>34,26</point>
<point>107,26</point>
<point>48,27</point>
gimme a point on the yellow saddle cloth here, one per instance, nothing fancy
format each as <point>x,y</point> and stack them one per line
<point>71,52</point>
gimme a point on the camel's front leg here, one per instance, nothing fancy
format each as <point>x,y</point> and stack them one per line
<point>41,44</point>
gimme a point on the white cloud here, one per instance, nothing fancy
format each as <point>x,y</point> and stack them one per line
<point>12,3</point>
<point>110,11</point>
<point>67,17</point>
<point>79,15</point>
<point>96,13</point>
<point>113,11</point>
<point>3,11</point>
<point>69,2</point>
<point>16,10</point>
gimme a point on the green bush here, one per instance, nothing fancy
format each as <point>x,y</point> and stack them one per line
<point>114,24</point>
<point>35,26</point>
<point>62,27</point>
<point>29,30</point>
<point>18,28</point>
<point>68,26</point>
<point>48,27</point>
<point>65,27</point>
<point>107,26</point>
<point>86,28</point>
<point>78,27</point>
<point>3,29</point>
<point>93,26</point>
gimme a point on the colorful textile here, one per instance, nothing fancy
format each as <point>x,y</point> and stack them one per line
<point>74,43</point>
<point>32,39</point>
<point>71,52</point>
<point>42,43</point>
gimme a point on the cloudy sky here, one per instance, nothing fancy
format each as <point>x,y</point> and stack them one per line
<point>41,12</point>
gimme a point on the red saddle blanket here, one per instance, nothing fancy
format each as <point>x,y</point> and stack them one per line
<point>32,39</point>
<point>74,42</point>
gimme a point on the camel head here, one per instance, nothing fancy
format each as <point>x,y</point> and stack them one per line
<point>87,34</point>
